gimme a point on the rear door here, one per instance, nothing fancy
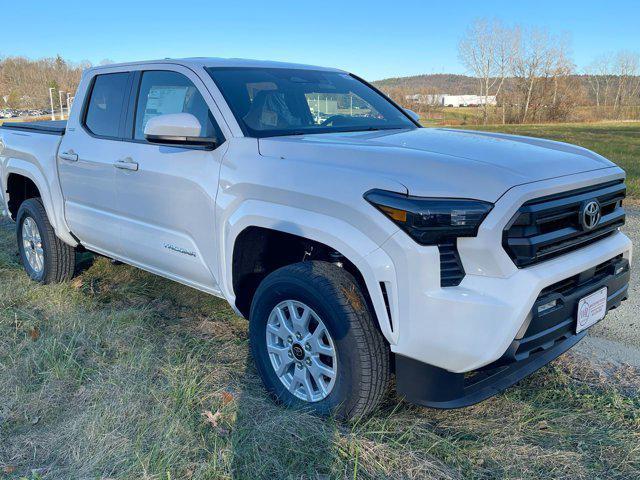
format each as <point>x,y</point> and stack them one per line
<point>166,194</point>
<point>86,163</point>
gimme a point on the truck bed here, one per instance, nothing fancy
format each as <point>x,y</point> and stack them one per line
<point>51,127</point>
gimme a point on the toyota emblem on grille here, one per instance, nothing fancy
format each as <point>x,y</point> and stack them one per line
<point>590,215</point>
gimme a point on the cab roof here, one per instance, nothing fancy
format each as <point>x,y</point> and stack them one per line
<point>220,62</point>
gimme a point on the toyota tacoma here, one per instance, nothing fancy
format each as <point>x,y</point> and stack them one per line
<point>359,245</point>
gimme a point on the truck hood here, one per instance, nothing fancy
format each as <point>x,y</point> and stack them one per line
<point>441,162</point>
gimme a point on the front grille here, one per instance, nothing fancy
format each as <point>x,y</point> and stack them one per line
<point>550,226</point>
<point>451,269</point>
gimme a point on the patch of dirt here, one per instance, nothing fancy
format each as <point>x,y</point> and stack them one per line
<point>601,370</point>
<point>204,327</point>
<point>604,350</point>
<point>617,337</point>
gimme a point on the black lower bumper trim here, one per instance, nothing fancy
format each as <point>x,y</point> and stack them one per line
<point>435,387</point>
<point>550,333</point>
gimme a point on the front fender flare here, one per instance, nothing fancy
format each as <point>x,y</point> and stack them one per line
<point>372,262</point>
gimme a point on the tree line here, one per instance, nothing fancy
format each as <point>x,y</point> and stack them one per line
<point>25,83</point>
<point>531,73</point>
<point>529,70</point>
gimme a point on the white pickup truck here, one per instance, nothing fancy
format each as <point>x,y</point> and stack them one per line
<point>358,244</point>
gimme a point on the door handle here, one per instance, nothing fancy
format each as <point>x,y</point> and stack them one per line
<point>69,156</point>
<point>126,164</point>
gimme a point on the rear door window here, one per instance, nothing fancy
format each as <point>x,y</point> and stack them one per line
<point>107,100</point>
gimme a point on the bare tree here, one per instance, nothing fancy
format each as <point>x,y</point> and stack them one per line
<point>527,65</point>
<point>560,68</point>
<point>477,52</point>
<point>627,65</point>
<point>487,51</point>
<point>25,83</point>
<point>504,56</point>
<point>598,74</point>
<point>541,61</point>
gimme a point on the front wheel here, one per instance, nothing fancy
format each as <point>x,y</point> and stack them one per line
<point>44,256</point>
<point>315,343</point>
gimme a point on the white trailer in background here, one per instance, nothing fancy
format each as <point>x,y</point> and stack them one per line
<point>467,100</point>
<point>446,100</point>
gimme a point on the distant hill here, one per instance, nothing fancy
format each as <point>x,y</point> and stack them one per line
<point>462,84</point>
<point>436,83</point>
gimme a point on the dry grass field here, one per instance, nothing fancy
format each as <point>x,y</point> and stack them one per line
<point>120,374</point>
<point>26,119</point>
<point>473,115</point>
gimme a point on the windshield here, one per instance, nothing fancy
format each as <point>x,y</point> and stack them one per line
<point>277,101</point>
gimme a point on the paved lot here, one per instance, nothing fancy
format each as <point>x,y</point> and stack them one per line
<point>617,337</point>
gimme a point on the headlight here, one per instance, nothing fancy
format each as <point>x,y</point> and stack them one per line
<point>430,221</point>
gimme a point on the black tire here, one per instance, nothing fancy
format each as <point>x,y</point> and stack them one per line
<point>59,258</point>
<point>363,359</point>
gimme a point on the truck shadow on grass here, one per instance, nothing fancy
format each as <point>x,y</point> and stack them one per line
<point>122,374</point>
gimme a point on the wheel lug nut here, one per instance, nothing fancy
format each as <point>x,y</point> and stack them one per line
<point>289,340</point>
<point>307,347</point>
<point>308,361</point>
<point>298,336</point>
<point>290,354</point>
<point>299,365</point>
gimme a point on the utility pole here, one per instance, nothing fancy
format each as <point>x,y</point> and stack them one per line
<point>68,104</point>
<point>53,115</point>
<point>61,109</point>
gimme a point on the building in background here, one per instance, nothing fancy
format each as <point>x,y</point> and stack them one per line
<point>446,100</point>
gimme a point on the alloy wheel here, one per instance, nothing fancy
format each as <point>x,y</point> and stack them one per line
<point>32,245</point>
<point>301,350</point>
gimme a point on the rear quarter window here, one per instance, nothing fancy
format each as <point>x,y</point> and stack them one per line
<point>104,110</point>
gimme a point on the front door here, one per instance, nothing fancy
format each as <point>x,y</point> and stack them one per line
<point>166,194</point>
<point>86,164</point>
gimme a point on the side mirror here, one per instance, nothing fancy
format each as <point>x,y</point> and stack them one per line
<point>414,116</point>
<point>176,129</point>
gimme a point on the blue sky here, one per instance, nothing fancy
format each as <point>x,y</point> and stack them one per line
<point>373,39</point>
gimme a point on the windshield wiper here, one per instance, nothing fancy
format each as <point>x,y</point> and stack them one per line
<point>369,129</point>
<point>329,130</point>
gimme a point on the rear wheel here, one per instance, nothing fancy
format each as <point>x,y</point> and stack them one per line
<point>44,256</point>
<point>315,343</point>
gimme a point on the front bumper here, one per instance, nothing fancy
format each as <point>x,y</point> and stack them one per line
<point>545,335</point>
<point>467,327</point>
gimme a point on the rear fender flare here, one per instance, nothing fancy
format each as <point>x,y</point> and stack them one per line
<point>29,170</point>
